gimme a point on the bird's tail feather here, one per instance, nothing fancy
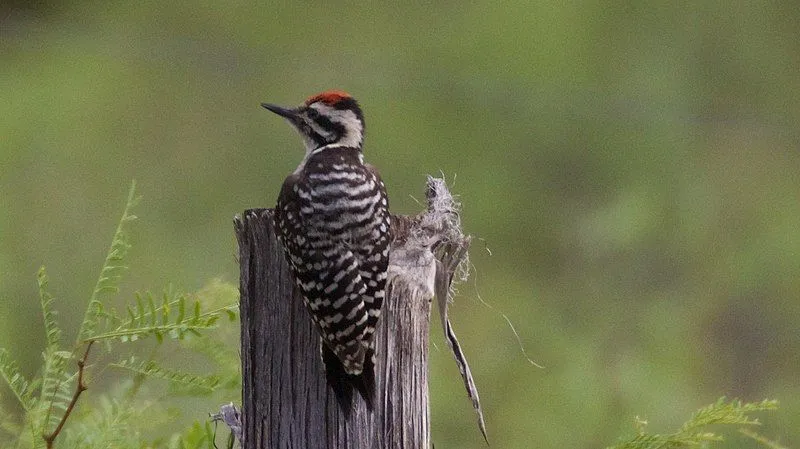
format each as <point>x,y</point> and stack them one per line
<point>342,383</point>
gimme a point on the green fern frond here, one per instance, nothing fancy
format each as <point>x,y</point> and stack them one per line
<point>219,293</point>
<point>108,425</point>
<point>52,331</point>
<point>15,380</point>
<point>151,369</point>
<point>691,433</point>
<point>33,438</point>
<point>165,317</point>
<point>56,393</point>
<point>111,272</point>
<point>656,441</point>
<point>224,358</point>
<point>761,439</point>
<point>727,412</point>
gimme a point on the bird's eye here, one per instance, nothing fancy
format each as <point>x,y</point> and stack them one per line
<point>312,113</point>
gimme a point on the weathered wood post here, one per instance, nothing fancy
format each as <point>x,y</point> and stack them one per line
<point>285,400</point>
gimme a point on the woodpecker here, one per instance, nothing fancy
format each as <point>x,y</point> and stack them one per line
<point>332,218</point>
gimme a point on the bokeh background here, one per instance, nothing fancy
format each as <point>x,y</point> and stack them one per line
<point>630,170</point>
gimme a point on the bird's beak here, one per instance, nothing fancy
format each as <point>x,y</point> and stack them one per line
<point>288,114</point>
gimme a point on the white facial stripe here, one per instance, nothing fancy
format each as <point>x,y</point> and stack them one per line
<point>318,129</point>
<point>354,130</point>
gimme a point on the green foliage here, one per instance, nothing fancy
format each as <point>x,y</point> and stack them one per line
<point>56,383</point>
<point>106,425</point>
<point>149,368</point>
<point>761,439</point>
<point>49,415</point>
<point>217,295</point>
<point>50,326</point>
<point>632,166</point>
<point>199,435</point>
<point>15,380</point>
<point>694,432</point>
<point>111,272</point>
<point>175,316</point>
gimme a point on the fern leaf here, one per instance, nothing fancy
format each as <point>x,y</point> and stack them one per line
<point>110,273</point>
<point>181,312</point>
<point>145,318</point>
<point>165,308</point>
<point>175,331</point>
<point>108,425</point>
<point>152,369</point>
<point>691,434</point>
<point>152,311</point>
<point>226,360</point>
<point>15,380</point>
<point>52,331</point>
<point>727,412</point>
<point>56,391</point>
<point>140,310</point>
<point>762,439</point>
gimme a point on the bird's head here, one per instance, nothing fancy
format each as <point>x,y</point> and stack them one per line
<point>332,117</point>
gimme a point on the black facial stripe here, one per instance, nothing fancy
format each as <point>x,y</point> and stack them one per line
<point>309,131</point>
<point>336,129</point>
<point>351,104</point>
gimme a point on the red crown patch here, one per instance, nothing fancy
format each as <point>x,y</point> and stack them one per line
<point>329,97</point>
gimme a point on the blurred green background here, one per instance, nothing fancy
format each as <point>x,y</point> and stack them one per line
<point>630,168</point>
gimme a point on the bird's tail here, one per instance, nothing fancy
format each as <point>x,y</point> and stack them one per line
<point>342,383</point>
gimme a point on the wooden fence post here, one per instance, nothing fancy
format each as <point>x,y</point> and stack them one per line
<point>286,402</point>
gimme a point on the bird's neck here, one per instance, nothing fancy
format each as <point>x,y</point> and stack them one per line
<point>332,153</point>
